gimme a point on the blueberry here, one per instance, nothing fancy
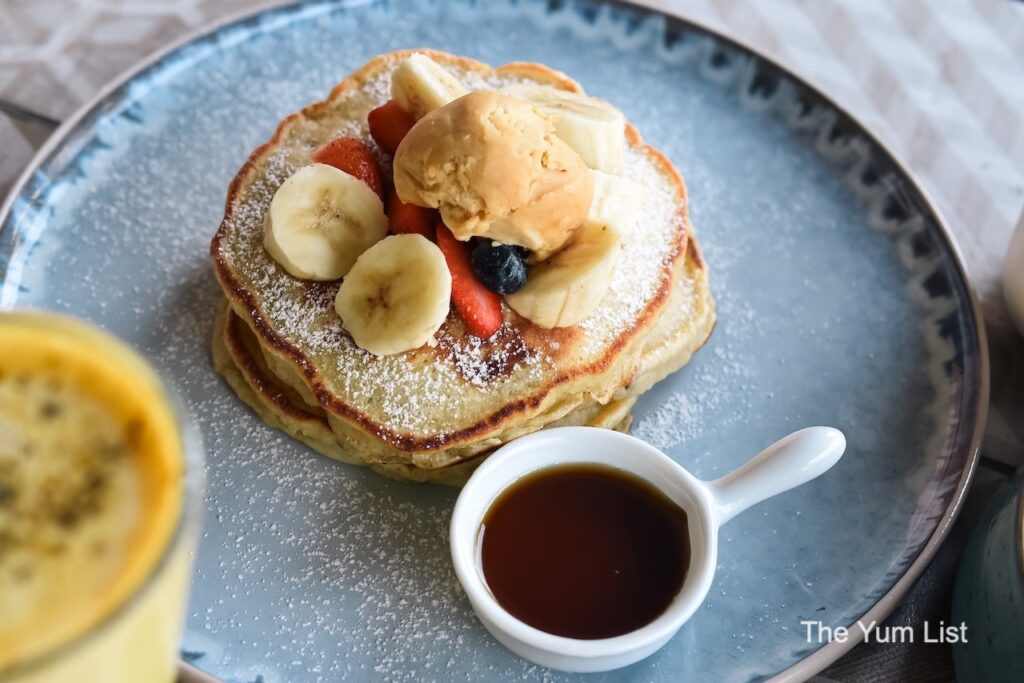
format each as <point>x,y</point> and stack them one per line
<point>500,266</point>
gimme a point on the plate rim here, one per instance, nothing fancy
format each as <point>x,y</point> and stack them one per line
<point>813,662</point>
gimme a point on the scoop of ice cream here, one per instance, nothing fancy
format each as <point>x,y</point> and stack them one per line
<point>494,167</point>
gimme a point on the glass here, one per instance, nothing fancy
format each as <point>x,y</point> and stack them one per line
<point>134,636</point>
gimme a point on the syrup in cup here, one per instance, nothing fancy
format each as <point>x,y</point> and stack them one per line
<point>790,462</point>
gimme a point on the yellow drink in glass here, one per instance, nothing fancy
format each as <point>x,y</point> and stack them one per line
<point>100,490</point>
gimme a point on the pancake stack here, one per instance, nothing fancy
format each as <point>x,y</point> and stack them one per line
<point>433,413</point>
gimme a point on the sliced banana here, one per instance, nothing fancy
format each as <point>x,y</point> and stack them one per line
<point>321,219</point>
<point>420,85</point>
<point>570,285</point>
<point>593,128</point>
<point>396,296</point>
<point>617,201</point>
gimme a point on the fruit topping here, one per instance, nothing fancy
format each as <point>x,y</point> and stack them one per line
<point>500,266</point>
<point>388,125</point>
<point>320,220</point>
<point>570,285</point>
<point>353,157</point>
<point>421,85</point>
<point>593,128</point>
<point>479,307</point>
<point>617,201</point>
<point>410,219</point>
<point>396,296</point>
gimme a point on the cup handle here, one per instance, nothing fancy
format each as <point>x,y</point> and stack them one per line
<point>789,462</point>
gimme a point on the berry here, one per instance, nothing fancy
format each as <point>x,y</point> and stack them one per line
<point>479,307</point>
<point>500,266</point>
<point>353,157</point>
<point>408,218</point>
<point>388,125</point>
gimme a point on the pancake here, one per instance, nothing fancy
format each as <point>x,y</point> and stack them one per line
<point>237,357</point>
<point>445,405</point>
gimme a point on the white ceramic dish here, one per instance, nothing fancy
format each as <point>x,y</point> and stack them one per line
<point>789,462</point>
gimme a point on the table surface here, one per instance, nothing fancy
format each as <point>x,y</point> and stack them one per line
<point>941,82</point>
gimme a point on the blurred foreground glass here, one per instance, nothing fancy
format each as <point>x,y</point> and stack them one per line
<point>101,478</point>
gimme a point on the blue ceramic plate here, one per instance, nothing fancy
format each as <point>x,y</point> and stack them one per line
<point>841,302</point>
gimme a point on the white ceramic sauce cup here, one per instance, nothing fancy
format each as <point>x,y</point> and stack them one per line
<point>791,461</point>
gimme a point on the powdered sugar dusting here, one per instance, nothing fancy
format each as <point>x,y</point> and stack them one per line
<point>481,363</point>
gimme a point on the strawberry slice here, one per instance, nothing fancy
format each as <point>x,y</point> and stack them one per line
<point>353,157</point>
<point>404,219</point>
<point>479,307</point>
<point>388,125</point>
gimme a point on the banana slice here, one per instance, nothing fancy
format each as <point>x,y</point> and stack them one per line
<point>420,85</point>
<point>593,128</point>
<point>321,219</point>
<point>617,201</point>
<point>396,296</point>
<point>569,286</point>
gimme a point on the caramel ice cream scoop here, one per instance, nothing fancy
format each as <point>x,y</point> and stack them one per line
<point>494,167</point>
